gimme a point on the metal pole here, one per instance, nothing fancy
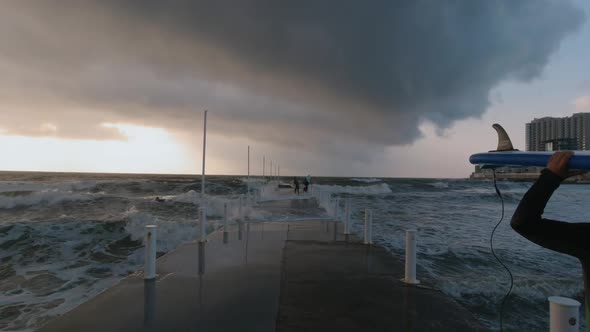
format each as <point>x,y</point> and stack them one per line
<point>263,166</point>
<point>150,252</point>
<point>271,170</point>
<point>204,149</point>
<point>410,275</point>
<point>225,217</point>
<point>203,224</point>
<point>240,208</point>
<point>367,239</point>
<point>203,215</point>
<point>347,216</point>
<point>248,179</point>
<point>563,314</point>
<point>370,226</point>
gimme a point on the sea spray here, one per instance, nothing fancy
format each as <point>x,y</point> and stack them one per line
<point>79,234</point>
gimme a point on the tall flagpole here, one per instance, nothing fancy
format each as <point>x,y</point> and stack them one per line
<point>263,166</point>
<point>203,208</point>
<point>204,149</point>
<point>248,193</point>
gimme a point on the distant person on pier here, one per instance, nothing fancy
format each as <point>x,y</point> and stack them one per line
<point>296,184</point>
<point>305,184</point>
<point>308,179</point>
<point>568,238</point>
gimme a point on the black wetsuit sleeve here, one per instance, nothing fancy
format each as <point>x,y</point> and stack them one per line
<point>568,238</point>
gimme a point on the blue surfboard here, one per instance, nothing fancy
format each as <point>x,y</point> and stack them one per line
<point>580,160</point>
<point>506,155</point>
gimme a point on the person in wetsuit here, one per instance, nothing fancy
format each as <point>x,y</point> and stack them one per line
<point>569,238</point>
<point>296,184</point>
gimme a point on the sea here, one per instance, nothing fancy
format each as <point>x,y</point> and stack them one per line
<point>65,237</point>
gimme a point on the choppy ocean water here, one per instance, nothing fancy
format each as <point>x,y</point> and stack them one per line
<point>66,237</point>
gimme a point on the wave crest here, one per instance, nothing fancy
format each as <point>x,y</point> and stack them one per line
<point>375,189</point>
<point>52,197</point>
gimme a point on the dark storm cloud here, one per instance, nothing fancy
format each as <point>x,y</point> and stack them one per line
<point>365,71</point>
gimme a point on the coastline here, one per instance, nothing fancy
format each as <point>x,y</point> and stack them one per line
<point>528,175</point>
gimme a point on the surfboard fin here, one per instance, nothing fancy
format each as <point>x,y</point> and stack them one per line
<point>504,143</point>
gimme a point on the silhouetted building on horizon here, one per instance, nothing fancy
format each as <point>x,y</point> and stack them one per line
<point>553,134</point>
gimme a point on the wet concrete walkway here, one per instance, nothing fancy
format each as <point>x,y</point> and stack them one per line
<point>297,276</point>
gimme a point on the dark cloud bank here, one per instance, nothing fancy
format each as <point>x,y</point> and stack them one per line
<point>300,73</point>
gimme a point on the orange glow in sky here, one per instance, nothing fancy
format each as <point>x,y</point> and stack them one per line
<point>146,150</point>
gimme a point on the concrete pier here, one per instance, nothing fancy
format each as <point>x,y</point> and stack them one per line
<point>287,276</point>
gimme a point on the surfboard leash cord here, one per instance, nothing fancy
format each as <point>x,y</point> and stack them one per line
<point>505,299</point>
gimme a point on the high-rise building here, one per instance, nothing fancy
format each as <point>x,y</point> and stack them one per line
<point>552,134</point>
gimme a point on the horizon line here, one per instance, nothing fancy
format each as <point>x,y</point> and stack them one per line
<point>198,174</point>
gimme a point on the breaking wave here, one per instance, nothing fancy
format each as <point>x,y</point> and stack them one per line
<point>366,180</point>
<point>376,189</point>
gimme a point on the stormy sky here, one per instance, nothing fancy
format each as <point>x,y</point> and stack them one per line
<point>338,83</point>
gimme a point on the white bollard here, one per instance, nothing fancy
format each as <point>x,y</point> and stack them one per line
<point>563,314</point>
<point>368,225</point>
<point>410,276</point>
<point>203,224</point>
<point>150,252</point>
<point>347,216</point>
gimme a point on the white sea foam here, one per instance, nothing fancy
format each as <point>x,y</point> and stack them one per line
<point>66,268</point>
<point>190,196</point>
<point>366,180</point>
<point>24,186</point>
<point>376,189</point>
<point>169,234</point>
<point>254,181</point>
<point>271,192</point>
<point>439,184</point>
<point>43,198</point>
<point>216,205</point>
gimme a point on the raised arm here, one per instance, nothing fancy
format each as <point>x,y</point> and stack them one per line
<point>568,238</point>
